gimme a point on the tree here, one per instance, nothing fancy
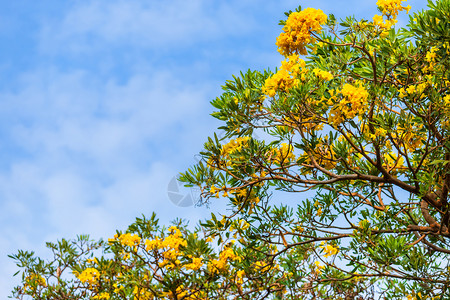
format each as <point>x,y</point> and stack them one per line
<point>357,117</point>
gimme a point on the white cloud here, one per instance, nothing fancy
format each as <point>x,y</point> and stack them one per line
<point>66,112</point>
<point>91,157</point>
<point>153,24</point>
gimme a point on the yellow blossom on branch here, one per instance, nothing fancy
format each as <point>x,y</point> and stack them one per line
<point>130,240</point>
<point>196,264</point>
<point>174,240</point>
<point>383,24</point>
<point>353,103</point>
<point>152,244</point>
<point>431,55</point>
<point>221,264</point>
<point>330,250</point>
<point>319,211</point>
<point>323,155</point>
<point>297,31</point>
<point>409,136</point>
<point>318,267</point>
<point>323,75</point>
<point>234,145</point>
<point>286,77</point>
<point>392,7</point>
<point>102,295</point>
<point>34,280</point>
<point>392,161</point>
<point>90,275</point>
<point>284,154</point>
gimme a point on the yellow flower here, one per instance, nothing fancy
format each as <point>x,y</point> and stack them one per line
<point>152,244</point>
<point>431,55</point>
<point>297,31</point>
<point>377,20</point>
<point>286,77</point>
<point>323,75</point>
<point>353,103</point>
<point>239,277</point>
<point>392,7</point>
<point>319,267</point>
<point>174,240</point>
<point>234,145</point>
<point>141,293</point>
<point>319,211</point>
<point>283,154</point>
<point>401,93</point>
<point>196,264</point>
<point>330,250</point>
<point>102,295</point>
<point>447,100</point>
<point>363,223</point>
<point>221,264</point>
<point>90,275</point>
<point>32,279</point>
<point>411,89</point>
<point>129,239</point>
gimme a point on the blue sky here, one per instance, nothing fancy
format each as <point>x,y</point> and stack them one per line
<point>102,103</point>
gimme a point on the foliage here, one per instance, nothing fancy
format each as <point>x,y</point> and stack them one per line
<point>359,124</point>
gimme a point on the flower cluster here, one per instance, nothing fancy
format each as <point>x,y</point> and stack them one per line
<point>128,239</point>
<point>383,24</point>
<point>318,267</point>
<point>353,103</point>
<point>323,75</point>
<point>446,99</point>
<point>410,136</point>
<point>446,111</point>
<point>390,8</point>
<point>89,275</point>
<point>228,153</point>
<point>102,295</point>
<point>221,264</point>
<point>240,277</point>
<point>284,154</point>
<point>196,264</point>
<point>234,145</point>
<point>170,247</point>
<point>34,280</point>
<point>329,250</point>
<point>431,55</point>
<point>286,77</point>
<point>297,31</point>
<point>392,161</point>
<point>323,154</point>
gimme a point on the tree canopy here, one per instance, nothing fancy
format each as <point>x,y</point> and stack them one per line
<point>354,127</point>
